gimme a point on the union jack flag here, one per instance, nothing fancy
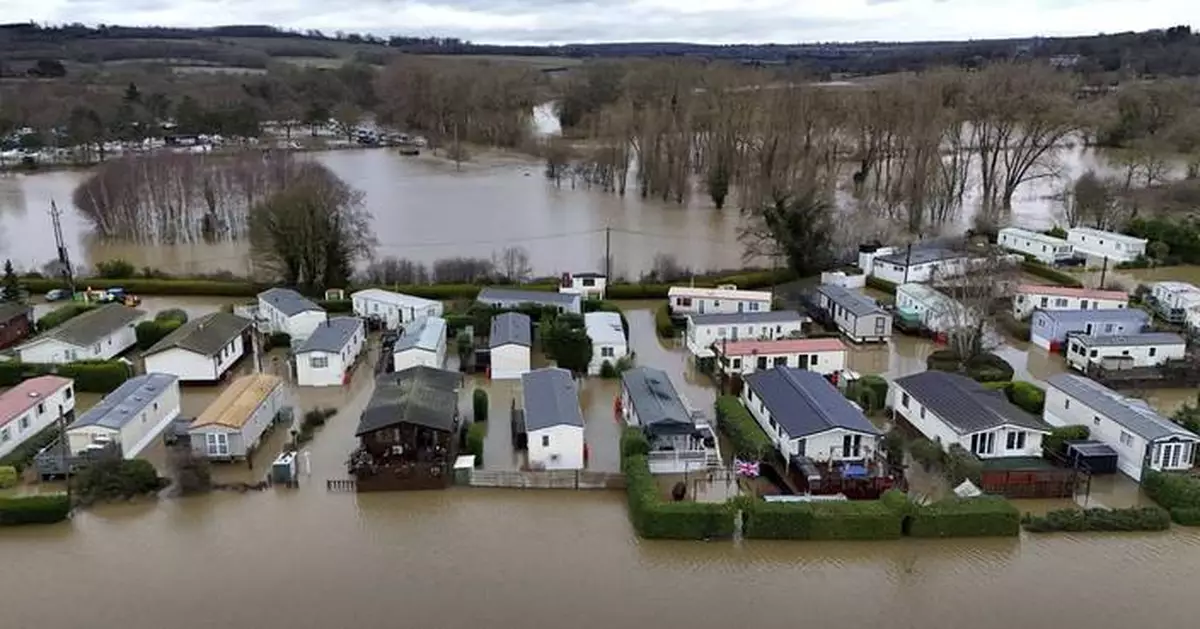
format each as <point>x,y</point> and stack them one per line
<point>746,468</point>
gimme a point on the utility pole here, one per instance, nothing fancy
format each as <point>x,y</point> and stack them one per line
<point>62,450</point>
<point>608,254</point>
<point>1103,273</point>
<point>907,262</point>
<point>64,257</point>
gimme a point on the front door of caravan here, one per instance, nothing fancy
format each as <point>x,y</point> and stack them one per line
<point>700,303</point>
<point>733,333</point>
<point>741,306</point>
<point>1172,453</point>
<point>1088,330</point>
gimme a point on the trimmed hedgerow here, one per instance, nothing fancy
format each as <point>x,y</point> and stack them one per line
<point>654,518</point>
<point>744,433</point>
<point>1054,275</point>
<point>1079,520</point>
<point>985,516</point>
<point>881,285</point>
<point>1178,493</point>
<point>663,324</point>
<point>61,315</point>
<point>34,509</point>
<point>91,376</point>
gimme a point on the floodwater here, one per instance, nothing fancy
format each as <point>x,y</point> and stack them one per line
<point>306,558</point>
<point>425,209</point>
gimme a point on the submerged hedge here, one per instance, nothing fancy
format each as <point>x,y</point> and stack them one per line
<point>1177,493</point>
<point>984,516</point>
<point>655,518</point>
<point>1078,520</point>
<point>34,510</point>
<point>831,520</point>
<point>90,376</point>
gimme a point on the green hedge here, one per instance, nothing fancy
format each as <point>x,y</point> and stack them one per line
<point>654,518</point>
<point>9,476</point>
<point>744,433</point>
<point>139,286</point>
<point>479,405</point>
<point>881,285</point>
<point>61,315</point>
<point>21,456</point>
<point>1049,273</point>
<point>985,516</point>
<point>1028,396</point>
<point>1076,520</point>
<point>636,291</point>
<point>34,509</point>
<point>277,339</point>
<point>91,376</point>
<point>1020,330</point>
<point>870,392</point>
<point>476,435</point>
<point>151,332</point>
<point>336,306</point>
<point>662,322</point>
<point>831,520</point>
<point>1055,442</point>
<point>1178,493</point>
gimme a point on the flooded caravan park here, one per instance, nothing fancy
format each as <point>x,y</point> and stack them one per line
<point>474,558</point>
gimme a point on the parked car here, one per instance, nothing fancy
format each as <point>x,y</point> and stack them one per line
<point>58,294</point>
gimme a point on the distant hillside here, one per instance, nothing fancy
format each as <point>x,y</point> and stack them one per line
<point>1171,52</point>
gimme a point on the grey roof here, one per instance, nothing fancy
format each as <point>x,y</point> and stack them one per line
<point>737,318</point>
<point>491,294</point>
<point>805,403</point>
<point>511,327</point>
<point>331,336</point>
<point>425,334</point>
<point>421,395</point>
<point>288,301</point>
<point>965,405</point>
<point>855,302</point>
<point>126,402</point>
<point>657,404</point>
<point>1134,415</point>
<point>12,310</point>
<point>920,255</point>
<point>1103,315</point>
<point>550,398</point>
<point>94,325</point>
<point>206,335</point>
<point>1148,338</point>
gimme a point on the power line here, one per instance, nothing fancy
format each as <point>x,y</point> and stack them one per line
<point>501,241</point>
<point>689,238</point>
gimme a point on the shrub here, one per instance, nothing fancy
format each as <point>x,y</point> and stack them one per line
<point>34,509</point>
<point>637,291</point>
<point>476,433</point>
<point>172,314</point>
<point>654,518</point>
<point>870,392</point>
<point>881,285</point>
<point>960,465</point>
<point>336,306</point>
<point>1020,330</point>
<point>1055,442</point>
<point>141,286</point>
<point>744,433</point>
<point>608,371</point>
<point>479,405</point>
<point>112,479</point>
<point>634,442</point>
<point>1075,520</point>
<point>778,520</point>
<point>1054,275</point>
<point>8,476</point>
<point>22,455</point>
<point>662,322</point>
<point>95,376</point>
<point>989,368</point>
<point>1178,493</point>
<point>858,520</point>
<point>1186,516</point>
<point>115,269</point>
<point>62,314</point>
<point>1028,396</point>
<point>277,339</point>
<point>985,516</point>
<point>151,332</point>
<point>929,454</point>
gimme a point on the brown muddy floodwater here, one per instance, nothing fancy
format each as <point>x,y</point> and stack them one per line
<point>471,559</point>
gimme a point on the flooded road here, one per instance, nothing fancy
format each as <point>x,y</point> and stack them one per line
<point>464,558</point>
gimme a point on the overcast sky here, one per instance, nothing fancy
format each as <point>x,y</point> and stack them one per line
<point>563,21</point>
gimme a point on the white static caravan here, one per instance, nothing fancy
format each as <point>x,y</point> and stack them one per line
<point>510,343</point>
<point>608,339</point>
<point>284,310</point>
<point>705,330</point>
<point>326,357</point>
<point>1047,249</point>
<point>899,265</point>
<point>1102,244</point>
<point>1177,302</point>
<point>856,316</point>
<point>1030,297</point>
<point>423,343</point>
<point>1124,352</point>
<point>687,300</point>
<point>201,350</point>
<point>393,309</point>
<point>588,285</point>
<point>1141,437</point>
<point>232,426</point>
<point>825,356</point>
<point>31,407</point>
<point>935,310</point>
<point>99,334</point>
<point>133,415</point>
<point>553,420</point>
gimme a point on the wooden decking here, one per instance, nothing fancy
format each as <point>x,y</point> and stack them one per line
<point>554,479</point>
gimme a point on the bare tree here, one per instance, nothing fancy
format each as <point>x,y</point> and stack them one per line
<point>391,270</point>
<point>513,264</point>
<point>462,270</point>
<point>347,116</point>
<point>1092,201</point>
<point>666,268</point>
<point>975,290</point>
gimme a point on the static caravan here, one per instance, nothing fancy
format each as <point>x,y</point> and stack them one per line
<point>327,356</point>
<point>681,440</point>
<point>806,416</point>
<point>1049,328</point>
<point>1047,249</point>
<point>823,355</point>
<point>589,285</point>
<point>201,350</point>
<point>510,343</point>
<point>1141,437</point>
<point>232,426</point>
<point>423,343</point>
<point>1030,297</point>
<point>1175,300</point>
<point>132,416</point>
<point>498,297</point>
<point>31,407</point>
<point>920,264</point>
<point>608,339</point>
<point>929,308</point>
<point>553,422</point>
<point>687,300</point>
<point>99,334</point>
<point>857,316</point>
<point>283,310</point>
<point>705,330</point>
<point>1124,352</point>
<point>1102,244</point>
<point>395,310</point>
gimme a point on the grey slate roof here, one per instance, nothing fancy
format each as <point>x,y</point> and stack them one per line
<point>1149,338</point>
<point>965,405</point>
<point>288,301</point>
<point>491,294</point>
<point>94,325</point>
<point>12,310</point>
<point>855,302</point>
<point>1134,415</point>
<point>511,327</point>
<point>206,335</point>
<point>739,318</point>
<point>331,336</point>
<point>421,395</point>
<point>550,398</point>
<point>1104,315</point>
<point>126,402</point>
<point>920,255</point>
<point>805,403</point>
<point>657,404</point>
